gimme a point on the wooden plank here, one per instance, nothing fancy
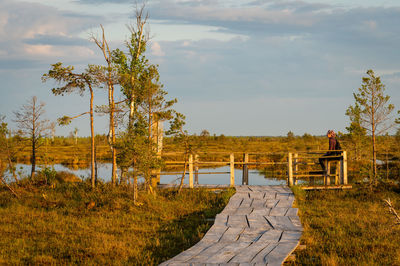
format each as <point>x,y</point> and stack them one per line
<point>283,223</point>
<point>232,234</point>
<point>271,203</point>
<point>272,235</point>
<point>290,236</point>
<point>261,256</point>
<point>284,203</point>
<point>280,253</point>
<point>258,203</point>
<point>243,211</point>
<point>237,221</point>
<point>257,227</point>
<point>327,187</point>
<point>258,222</point>
<point>246,203</point>
<point>227,253</point>
<point>187,254</point>
<point>278,211</point>
<point>292,212</point>
<point>206,253</point>
<point>260,212</point>
<point>246,255</point>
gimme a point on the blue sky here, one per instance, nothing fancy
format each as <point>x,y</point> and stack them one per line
<point>250,67</point>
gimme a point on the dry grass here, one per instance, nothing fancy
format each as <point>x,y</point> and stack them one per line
<point>56,226</point>
<point>348,227</point>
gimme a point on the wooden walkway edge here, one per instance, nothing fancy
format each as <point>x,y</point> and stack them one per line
<point>257,227</point>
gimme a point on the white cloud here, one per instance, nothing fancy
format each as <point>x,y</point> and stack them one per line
<point>156,49</point>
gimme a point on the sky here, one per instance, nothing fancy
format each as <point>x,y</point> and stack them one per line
<point>237,67</point>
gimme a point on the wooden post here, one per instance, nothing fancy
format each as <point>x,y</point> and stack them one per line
<point>296,155</point>
<point>337,173</point>
<point>191,170</point>
<point>245,176</point>
<point>196,169</point>
<point>327,180</point>
<point>290,170</point>
<point>232,166</point>
<point>343,168</point>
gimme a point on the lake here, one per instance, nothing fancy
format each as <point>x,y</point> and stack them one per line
<point>104,173</point>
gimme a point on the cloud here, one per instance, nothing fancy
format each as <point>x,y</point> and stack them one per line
<point>57,40</point>
<point>156,49</point>
<point>96,2</point>
<point>30,31</point>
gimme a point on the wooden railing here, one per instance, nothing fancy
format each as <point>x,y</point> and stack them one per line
<point>194,164</point>
<point>294,163</point>
<point>338,163</point>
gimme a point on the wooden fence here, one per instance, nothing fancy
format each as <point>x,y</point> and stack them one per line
<point>293,162</point>
<point>337,162</point>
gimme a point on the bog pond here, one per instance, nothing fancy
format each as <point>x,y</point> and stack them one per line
<point>256,177</point>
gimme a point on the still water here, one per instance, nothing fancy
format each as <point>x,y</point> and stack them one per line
<point>104,173</point>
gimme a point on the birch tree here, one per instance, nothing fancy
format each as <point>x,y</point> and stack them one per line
<point>109,76</point>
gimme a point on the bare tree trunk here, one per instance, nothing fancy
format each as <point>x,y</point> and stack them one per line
<point>135,188</point>
<point>10,163</point>
<point>103,45</point>
<point>112,134</point>
<point>33,158</point>
<point>92,152</point>
<point>183,175</point>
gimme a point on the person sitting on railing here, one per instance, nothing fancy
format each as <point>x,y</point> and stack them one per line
<point>334,146</point>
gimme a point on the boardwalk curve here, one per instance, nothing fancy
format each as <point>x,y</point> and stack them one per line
<point>257,227</point>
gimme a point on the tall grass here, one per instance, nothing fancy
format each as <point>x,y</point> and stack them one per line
<point>72,224</point>
<point>350,227</point>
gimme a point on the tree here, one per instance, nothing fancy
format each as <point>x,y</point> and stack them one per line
<point>204,133</point>
<point>356,132</point>
<point>372,110</point>
<point>8,149</point>
<point>176,129</point>
<point>290,135</point>
<point>153,109</point>
<point>132,64</point>
<point>109,75</point>
<point>32,124</point>
<point>71,82</point>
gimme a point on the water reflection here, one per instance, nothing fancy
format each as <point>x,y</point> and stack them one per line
<point>256,177</point>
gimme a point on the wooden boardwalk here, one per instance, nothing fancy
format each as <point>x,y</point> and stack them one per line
<point>257,227</point>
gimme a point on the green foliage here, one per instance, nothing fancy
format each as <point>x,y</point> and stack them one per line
<point>49,174</point>
<point>290,135</point>
<point>371,110</point>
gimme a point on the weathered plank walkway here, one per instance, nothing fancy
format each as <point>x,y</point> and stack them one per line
<point>257,227</point>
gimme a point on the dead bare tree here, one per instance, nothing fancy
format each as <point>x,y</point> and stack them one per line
<point>109,76</point>
<point>32,124</point>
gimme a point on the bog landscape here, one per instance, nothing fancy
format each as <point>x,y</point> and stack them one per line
<point>144,188</point>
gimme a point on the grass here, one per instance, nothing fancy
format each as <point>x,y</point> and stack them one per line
<point>352,227</point>
<point>61,226</point>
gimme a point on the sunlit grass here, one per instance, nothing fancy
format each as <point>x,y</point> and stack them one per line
<point>57,227</point>
<point>351,227</point>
